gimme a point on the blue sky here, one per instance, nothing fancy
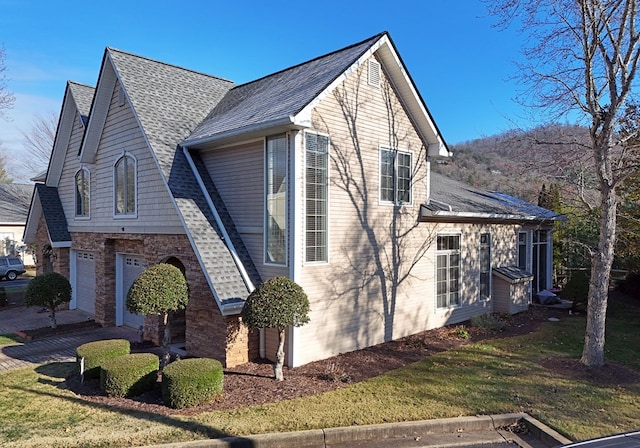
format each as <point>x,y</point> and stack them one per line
<point>460,64</point>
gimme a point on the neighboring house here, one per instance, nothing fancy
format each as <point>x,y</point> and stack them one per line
<point>319,172</point>
<point>14,207</point>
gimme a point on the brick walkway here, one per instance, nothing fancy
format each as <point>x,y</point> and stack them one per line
<point>55,349</point>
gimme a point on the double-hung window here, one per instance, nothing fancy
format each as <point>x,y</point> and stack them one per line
<point>124,179</point>
<point>82,193</point>
<point>395,176</point>
<point>276,201</point>
<point>448,271</point>
<point>316,190</point>
<point>485,266</point>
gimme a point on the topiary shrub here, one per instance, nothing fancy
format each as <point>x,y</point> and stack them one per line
<point>48,290</point>
<point>277,303</point>
<point>129,375</point>
<point>160,289</point>
<point>190,382</point>
<point>97,352</point>
<point>577,290</point>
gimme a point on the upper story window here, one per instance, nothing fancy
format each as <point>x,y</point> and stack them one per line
<point>82,193</point>
<point>395,176</point>
<point>124,182</point>
<point>275,239</point>
<point>316,192</point>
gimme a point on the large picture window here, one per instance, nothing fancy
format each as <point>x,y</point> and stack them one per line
<point>276,200</point>
<point>125,186</point>
<point>448,271</point>
<point>395,176</point>
<point>82,193</point>
<point>316,189</point>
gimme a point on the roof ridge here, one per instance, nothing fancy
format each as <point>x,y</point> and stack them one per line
<point>372,38</point>
<point>112,49</point>
<point>81,84</point>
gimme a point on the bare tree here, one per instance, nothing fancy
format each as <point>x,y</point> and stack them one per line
<point>38,141</point>
<point>583,58</point>
<point>6,97</point>
<point>4,176</point>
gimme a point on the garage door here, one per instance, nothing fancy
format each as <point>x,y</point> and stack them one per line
<point>85,282</point>
<point>131,267</point>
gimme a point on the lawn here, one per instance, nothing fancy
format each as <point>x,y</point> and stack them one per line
<point>495,376</point>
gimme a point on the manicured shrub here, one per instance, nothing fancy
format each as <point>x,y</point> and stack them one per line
<point>160,289</point>
<point>96,353</point>
<point>49,290</point>
<point>277,303</point>
<point>189,382</point>
<point>129,375</point>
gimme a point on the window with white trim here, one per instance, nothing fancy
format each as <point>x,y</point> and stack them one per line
<point>276,201</point>
<point>316,191</point>
<point>82,193</point>
<point>485,266</point>
<point>395,176</point>
<point>124,182</point>
<point>523,240</point>
<point>448,271</point>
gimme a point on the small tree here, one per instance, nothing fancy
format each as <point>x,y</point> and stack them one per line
<point>158,290</point>
<point>277,303</point>
<point>49,290</point>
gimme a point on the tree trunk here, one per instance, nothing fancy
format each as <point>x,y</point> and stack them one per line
<point>277,367</point>
<point>52,318</point>
<point>602,261</point>
<point>166,342</point>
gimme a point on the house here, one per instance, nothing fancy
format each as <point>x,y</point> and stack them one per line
<point>14,206</point>
<point>319,172</point>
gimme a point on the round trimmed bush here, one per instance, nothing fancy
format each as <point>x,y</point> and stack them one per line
<point>129,375</point>
<point>96,353</point>
<point>189,382</point>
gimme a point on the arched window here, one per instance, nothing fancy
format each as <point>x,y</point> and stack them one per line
<point>82,193</point>
<point>124,180</point>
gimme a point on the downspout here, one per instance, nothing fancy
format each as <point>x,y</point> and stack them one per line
<point>245,277</point>
<point>428,189</point>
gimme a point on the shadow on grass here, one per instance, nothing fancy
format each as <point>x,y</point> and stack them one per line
<point>65,370</point>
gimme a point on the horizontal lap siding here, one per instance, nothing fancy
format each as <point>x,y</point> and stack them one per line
<point>349,307</point>
<point>66,185</point>
<point>238,173</point>
<point>155,210</point>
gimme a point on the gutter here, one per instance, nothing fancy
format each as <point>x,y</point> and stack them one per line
<point>231,308</point>
<point>286,121</point>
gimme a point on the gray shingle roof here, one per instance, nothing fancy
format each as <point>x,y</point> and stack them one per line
<point>83,96</point>
<point>169,101</point>
<point>450,198</point>
<point>14,202</point>
<point>279,95</point>
<point>53,213</point>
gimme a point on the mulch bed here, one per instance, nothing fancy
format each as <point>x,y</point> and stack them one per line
<point>61,329</point>
<point>253,384</point>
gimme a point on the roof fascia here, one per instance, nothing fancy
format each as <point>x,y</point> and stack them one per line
<point>446,216</point>
<point>98,114</point>
<point>62,139</point>
<point>399,77</point>
<point>33,218</point>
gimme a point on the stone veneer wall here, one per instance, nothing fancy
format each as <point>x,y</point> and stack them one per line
<point>208,333</point>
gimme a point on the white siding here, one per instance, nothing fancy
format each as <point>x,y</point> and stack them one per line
<point>155,210</point>
<point>238,173</point>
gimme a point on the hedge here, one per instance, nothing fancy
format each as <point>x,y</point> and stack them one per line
<point>129,375</point>
<point>96,353</point>
<point>189,382</point>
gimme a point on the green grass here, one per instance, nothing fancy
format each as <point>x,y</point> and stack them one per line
<point>498,376</point>
<point>7,339</point>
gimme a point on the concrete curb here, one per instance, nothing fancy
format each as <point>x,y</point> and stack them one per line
<point>482,429</point>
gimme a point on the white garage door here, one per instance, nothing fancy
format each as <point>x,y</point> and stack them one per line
<point>85,282</point>
<point>131,266</point>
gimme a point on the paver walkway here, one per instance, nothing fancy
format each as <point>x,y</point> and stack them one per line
<point>54,349</point>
